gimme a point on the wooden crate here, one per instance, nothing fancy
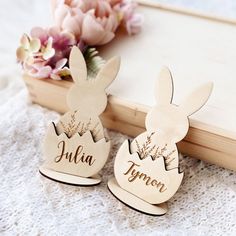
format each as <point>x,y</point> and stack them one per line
<point>168,38</point>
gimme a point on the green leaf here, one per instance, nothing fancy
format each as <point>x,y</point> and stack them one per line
<point>93,61</point>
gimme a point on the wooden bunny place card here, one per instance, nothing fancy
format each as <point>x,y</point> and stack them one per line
<point>76,149</point>
<point>147,169</point>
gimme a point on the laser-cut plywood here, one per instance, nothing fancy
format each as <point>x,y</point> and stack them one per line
<point>148,168</point>
<point>76,149</point>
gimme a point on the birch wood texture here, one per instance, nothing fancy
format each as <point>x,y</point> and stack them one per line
<point>196,48</point>
<point>76,148</point>
<point>149,167</point>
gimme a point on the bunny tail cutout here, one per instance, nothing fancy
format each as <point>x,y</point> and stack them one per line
<point>77,65</point>
<point>197,99</point>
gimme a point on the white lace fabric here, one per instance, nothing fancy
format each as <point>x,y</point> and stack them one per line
<point>30,204</point>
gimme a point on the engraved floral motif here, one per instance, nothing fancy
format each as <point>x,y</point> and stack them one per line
<point>73,127</point>
<point>147,149</point>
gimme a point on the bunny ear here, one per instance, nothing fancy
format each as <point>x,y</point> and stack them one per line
<point>108,72</point>
<point>164,87</point>
<point>197,99</point>
<point>77,65</point>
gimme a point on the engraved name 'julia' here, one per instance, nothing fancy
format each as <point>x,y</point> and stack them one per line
<point>76,157</point>
<point>134,175</point>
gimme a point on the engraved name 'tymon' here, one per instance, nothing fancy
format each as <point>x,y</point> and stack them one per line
<point>133,175</point>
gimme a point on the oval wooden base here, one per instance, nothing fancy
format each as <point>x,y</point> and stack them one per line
<point>69,179</point>
<point>134,202</point>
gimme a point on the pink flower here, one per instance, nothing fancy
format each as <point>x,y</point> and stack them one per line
<point>131,20</point>
<point>68,19</point>
<point>52,39</point>
<point>96,21</point>
<point>38,70</point>
<point>60,70</point>
<point>44,53</point>
<point>28,49</point>
<point>115,2</point>
<point>98,31</point>
<point>93,21</point>
<point>134,24</point>
<point>41,70</point>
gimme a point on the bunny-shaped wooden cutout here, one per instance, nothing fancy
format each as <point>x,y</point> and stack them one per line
<point>75,149</point>
<point>147,169</point>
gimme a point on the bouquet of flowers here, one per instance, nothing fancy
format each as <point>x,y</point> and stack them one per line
<point>85,23</point>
